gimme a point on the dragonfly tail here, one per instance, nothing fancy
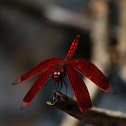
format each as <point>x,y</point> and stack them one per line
<point>72,49</point>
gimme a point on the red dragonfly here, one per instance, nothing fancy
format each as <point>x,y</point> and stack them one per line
<point>58,68</point>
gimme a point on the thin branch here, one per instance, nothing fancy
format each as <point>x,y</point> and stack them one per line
<point>96,116</point>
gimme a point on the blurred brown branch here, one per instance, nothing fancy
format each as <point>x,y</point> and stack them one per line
<point>51,14</point>
<point>54,15</point>
<point>121,47</point>
<point>96,116</point>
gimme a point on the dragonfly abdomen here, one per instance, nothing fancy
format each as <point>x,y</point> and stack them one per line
<point>72,49</point>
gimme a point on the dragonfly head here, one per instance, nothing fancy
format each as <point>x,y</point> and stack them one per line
<point>56,76</point>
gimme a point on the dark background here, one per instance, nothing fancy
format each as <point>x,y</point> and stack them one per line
<point>26,39</point>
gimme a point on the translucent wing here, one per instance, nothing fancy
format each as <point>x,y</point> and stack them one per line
<point>93,73</point>
<point>38,69</point>
<point>37,86</point>
<point>80,89</point>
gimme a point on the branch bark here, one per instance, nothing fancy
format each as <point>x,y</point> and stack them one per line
<point>96,116</point>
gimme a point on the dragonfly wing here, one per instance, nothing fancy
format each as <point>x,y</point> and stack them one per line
<point>93,73</point>
<point>37,86</point>
<point>80,89</point>
<point>38,69</point>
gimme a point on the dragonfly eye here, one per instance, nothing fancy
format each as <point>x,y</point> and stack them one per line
<point>55,73</point>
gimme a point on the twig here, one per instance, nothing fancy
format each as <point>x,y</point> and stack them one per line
<point>96,116</point>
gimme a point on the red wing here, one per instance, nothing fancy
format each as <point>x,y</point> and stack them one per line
<point>37,86</point>
<point>80,89</point>
<point>38,69</point>
<point>93,73</point>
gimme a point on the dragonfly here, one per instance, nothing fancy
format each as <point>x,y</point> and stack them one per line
<point>58,68</point>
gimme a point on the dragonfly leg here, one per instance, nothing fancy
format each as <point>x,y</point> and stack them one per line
<point>57,86</point>
<point>60,86</point>
<point>65,85</point>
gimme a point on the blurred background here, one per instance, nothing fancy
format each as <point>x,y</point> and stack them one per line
<point>34,30</point>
